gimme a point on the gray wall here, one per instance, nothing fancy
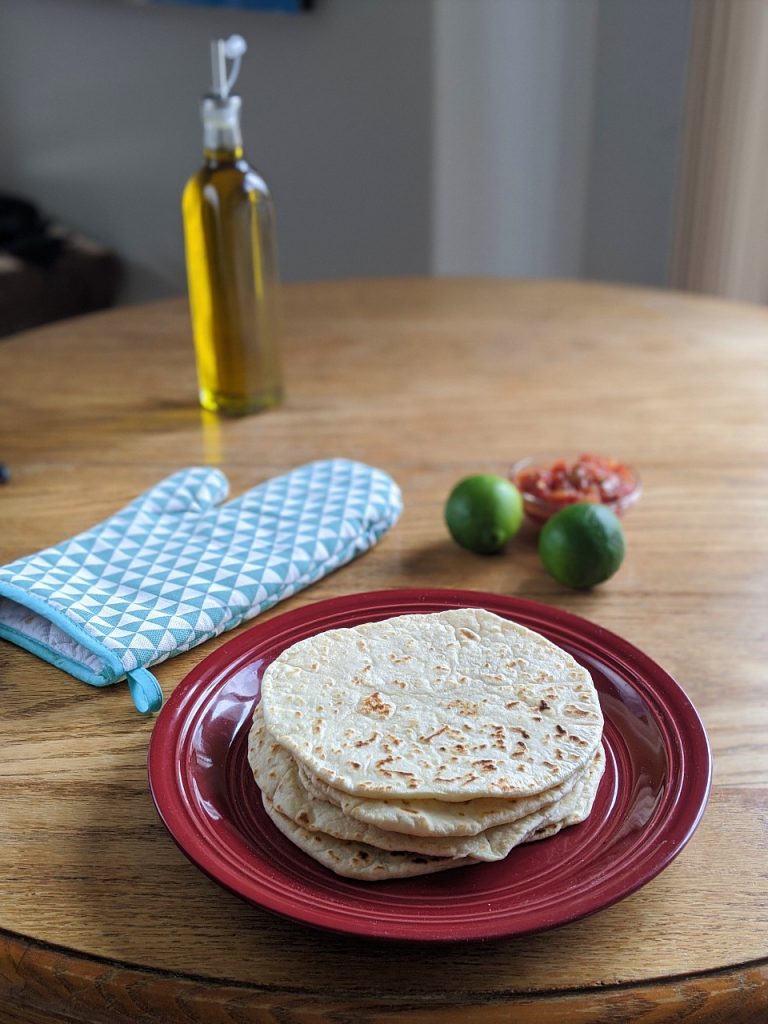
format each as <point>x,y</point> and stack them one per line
<point>557,136</point>
<point>509,137</point>
<point>514,99</point>
<point>640,76</point>
<point>100,125</point>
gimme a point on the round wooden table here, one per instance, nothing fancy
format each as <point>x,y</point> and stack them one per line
<point>104,920</point>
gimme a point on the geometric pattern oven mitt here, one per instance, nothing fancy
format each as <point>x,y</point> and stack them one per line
<point>175,567</point>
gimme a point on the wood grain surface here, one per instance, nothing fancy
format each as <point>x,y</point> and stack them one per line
<point>102,918</point>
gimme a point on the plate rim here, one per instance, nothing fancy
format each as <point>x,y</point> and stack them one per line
<point>209,676</point>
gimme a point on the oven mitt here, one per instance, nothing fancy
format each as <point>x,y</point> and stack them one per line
<point>174,567</point>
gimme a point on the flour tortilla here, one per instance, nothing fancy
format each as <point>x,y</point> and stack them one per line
<point>356,860</point>
<point>436,817</point>
<point>490,844</point>
<point>429,817</point>
<point>452,705</point>
<point>276,774</point>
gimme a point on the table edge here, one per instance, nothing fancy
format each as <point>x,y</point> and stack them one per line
<point>43,976</point>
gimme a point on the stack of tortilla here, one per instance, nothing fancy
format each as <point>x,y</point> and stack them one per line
<point>425,742</point>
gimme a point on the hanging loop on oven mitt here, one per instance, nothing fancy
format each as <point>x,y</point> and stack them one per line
<point>174,567</point>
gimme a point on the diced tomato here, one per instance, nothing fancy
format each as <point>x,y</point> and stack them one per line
<point>590,478</point>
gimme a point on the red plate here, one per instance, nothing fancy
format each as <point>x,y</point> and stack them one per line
<point>650,800</point>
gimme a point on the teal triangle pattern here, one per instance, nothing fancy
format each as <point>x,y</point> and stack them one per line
<point>176,567</point>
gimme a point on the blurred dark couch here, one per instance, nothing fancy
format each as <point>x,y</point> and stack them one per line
<point>48,272</point>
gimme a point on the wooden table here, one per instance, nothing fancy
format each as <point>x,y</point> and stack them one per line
<point>104,920</point>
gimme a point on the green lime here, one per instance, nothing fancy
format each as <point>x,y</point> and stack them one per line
<point>483,512</point>
<point>582,545</point>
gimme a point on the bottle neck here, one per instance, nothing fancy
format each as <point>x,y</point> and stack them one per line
<point>222,138</point>
<point>222,154</point>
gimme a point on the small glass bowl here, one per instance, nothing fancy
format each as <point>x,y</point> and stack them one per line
<point>539,508</point>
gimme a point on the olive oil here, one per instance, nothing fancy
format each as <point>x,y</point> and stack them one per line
<point>229,231</point>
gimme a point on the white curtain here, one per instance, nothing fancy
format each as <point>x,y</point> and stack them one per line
<point>722,230</point>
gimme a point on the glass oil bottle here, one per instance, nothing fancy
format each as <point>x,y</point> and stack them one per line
<point>229,233</point>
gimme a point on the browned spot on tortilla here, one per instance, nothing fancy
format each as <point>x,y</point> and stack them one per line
<point>543,706</point>
<point>577,712</point>
<point>431,736</point>
<point>364,743</point>
<point>456,778</point>
<point>486,766</point>
<point>559,730</point>
<point>464,707</point>
<point>498,737</point>
<point>399,659</point>
<point>374,705</point>
<point>463,631</point>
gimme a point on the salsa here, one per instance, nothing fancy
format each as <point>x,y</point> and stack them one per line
<point>594,478</point>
